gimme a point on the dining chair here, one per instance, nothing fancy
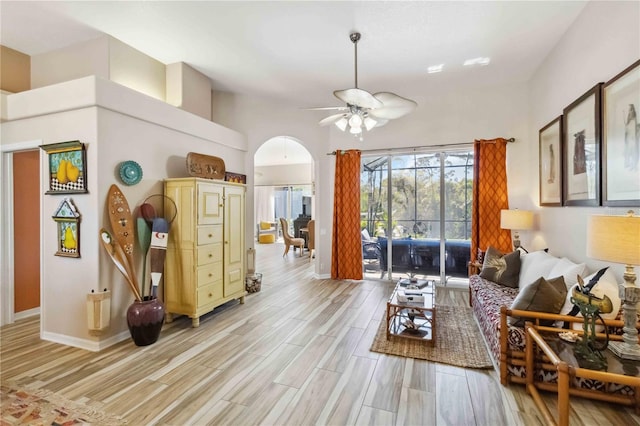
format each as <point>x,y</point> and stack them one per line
<point>289,240</point>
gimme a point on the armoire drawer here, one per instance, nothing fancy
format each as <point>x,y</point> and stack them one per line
<point>209,234</point>
<point>209,254</point>
<point>209,293</point>
<point>210,273</point>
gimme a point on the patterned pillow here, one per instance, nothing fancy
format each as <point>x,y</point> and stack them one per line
<point>501,269</point>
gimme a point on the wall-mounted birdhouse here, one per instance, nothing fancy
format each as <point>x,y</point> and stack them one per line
<point>68,220</point>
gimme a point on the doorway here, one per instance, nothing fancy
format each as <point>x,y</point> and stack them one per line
<point>416,215</point>
<point>20,254</point>
<point>283,182</point>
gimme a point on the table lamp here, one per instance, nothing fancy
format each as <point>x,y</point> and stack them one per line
<point>516,220</point>
<point>617,239</point>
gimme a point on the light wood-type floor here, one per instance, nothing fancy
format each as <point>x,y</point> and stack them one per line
<point>297,353</point>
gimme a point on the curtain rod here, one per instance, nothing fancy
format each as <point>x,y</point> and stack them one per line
<point>420,148</point>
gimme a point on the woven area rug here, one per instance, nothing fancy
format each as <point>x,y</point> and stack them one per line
<point>458,341</point>
<point>40,407</point>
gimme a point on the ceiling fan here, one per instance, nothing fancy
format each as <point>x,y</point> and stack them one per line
<point>364,109</point>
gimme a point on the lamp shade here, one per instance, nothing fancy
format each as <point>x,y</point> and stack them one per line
<point>516,219</point>
<point>614,239</point>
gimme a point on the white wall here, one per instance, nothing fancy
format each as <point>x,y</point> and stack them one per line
<point>134,69</point>
<point>105,57</point>
<point>290,174</point>
<point>603,41</point>
<point>120,125</point>
<point>70,63</point>
<point>189,89</point>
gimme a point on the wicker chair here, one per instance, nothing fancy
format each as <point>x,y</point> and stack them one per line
<point>288,239</point>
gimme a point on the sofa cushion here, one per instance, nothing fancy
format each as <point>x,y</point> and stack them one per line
<point>265,226</point>
<point>542,296</point>
<point>267,239</point>
<point>535,265</point>
<point>501,268</point>
<point>567,269</point>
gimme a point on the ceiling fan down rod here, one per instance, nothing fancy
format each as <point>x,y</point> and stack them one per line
<point>355,37</point>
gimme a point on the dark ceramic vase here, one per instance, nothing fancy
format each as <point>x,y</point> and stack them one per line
<point>145,319</point>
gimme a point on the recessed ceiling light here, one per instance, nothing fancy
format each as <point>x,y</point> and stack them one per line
<point>435,68</point>
<point>477,61</point>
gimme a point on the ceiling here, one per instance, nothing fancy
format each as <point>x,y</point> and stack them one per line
<point>299,51</point>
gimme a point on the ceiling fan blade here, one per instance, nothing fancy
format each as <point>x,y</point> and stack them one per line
<point>331,119</point>
<point>380,122</point>
<point>358,97</point>
<point>337,108</point>
<point>394,106</point>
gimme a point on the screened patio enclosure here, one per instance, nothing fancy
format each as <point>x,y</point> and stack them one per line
<point>416,214</point>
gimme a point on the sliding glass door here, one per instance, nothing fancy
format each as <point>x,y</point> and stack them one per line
<point>416,214</point>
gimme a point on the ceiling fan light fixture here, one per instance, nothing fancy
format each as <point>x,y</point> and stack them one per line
<point>355,130</point>
<point>369,123</point>
<point>342,124</point>
<point>355,120</point>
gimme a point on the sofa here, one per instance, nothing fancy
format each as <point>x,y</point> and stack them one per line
<point>492,304</point>
<point>422,256</point>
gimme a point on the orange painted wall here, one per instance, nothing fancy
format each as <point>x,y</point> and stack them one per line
<point>26,213</point>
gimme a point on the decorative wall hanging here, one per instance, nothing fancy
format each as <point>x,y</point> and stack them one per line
<point>235,177</point>
<point>550,139</point>
<point>621,138</point>
<point>67,167</point>
<point>130,172</point>
<point>205,166</point>
<point>581,153</point>
<point>68,220</point>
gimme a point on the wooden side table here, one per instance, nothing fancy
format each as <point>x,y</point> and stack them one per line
<point>561,356</point>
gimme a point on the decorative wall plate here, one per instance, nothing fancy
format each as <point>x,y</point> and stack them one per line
<point>130,172</point>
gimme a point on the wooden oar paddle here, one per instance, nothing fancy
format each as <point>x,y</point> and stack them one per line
<point>158,251</point>
<point>121,221</point>
<point>108,244</point>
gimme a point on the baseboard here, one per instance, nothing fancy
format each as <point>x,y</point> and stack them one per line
<point>26,314</point>
<point>89,345</point>
<point>322,276</point>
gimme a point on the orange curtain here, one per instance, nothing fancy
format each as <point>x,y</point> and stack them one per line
<point>346,247</point>
<point>489,196</point>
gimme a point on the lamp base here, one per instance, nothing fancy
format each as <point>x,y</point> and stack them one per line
<point>625,351</point>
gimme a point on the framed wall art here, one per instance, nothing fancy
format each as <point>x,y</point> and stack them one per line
<point>581,153</point>
<point>67,167</point>
<point>68,220</point>
<point>550,140</point>
<point>621,138</point>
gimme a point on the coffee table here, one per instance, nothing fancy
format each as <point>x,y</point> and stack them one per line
<point>412,319</point>
<point>561,356</point>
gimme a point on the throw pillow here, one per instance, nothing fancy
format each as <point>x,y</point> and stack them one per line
<point>265,226</point>
<point>541,296</point>
<point>501,269</point>
<point>535,265</point>
<point>568,270</point>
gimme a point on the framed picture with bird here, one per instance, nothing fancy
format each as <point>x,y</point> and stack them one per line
<point>67,167</point>
<point>68,220</point>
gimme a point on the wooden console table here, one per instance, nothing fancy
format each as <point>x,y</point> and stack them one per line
<point>560,355</point>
